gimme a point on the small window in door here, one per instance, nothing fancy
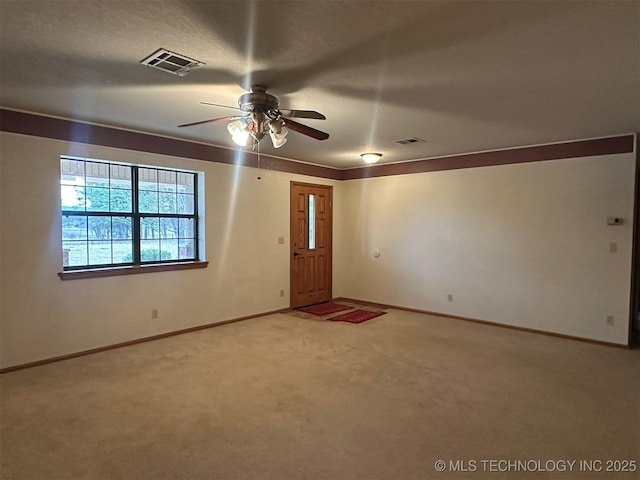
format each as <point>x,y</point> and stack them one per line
<point>312,222</point>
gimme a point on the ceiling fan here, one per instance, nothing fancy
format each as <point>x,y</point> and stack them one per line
<point>260,116</point>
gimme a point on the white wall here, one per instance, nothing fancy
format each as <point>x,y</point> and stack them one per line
<point>42,316</point>
<point>523,244</point>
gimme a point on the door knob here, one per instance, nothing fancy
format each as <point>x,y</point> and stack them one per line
<point>295,254</point>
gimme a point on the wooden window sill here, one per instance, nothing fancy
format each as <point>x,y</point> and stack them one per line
<point>116,271</point>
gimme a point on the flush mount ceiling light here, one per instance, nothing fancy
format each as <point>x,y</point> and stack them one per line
<point>371,158</point>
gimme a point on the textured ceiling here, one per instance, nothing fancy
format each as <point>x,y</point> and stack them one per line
<point>462,76</point>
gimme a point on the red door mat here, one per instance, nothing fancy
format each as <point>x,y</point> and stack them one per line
<point>357,316</point>
<point>325,308</point>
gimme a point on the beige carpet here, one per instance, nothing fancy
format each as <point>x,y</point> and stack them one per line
<point>290,396</point>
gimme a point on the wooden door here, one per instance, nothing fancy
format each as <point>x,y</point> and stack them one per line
<point>311,234</point>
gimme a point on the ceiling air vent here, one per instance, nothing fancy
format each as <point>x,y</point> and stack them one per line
<point>408,141</point>
<point>171,62</point>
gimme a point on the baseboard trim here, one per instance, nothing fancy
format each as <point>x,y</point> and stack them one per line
<point>484,322</point>
<point>136,341</point>
<point>284,310</point>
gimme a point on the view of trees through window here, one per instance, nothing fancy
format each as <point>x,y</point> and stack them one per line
<point>114,214</point>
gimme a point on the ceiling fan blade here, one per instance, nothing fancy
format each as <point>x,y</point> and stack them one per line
<point>221,119</point>
<point>303,114</point>
<point>219,105</point>
<point>300,128</point>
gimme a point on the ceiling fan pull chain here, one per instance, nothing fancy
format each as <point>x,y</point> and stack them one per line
<point>259,169</point>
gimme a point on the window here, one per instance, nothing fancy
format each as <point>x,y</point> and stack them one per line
<point>122,215</point>
<point>312,222</point>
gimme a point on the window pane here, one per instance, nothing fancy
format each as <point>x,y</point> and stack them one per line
<point>71,172</point>
<point>167,202</point>
<point>168,228</point>
<point>72,185</point>
<point>186,182</point>
<point>97,199</point>
<point>186,249</point>
<point>121,228</point>
<point>149,228</point>
<point>149,250</point>
<point>72,197</point>
<point>99,228</point>
<point>148,201</point>
<point>97,174</point>
<point>74,253</point>
<point>186,228</point>
<point>122,251</point>
<point>108,187</point>
<point>99,252</point>
<point>148,179</point>
<point>169,249</point>
<point>121,177</point>
<point>166,181</point>
<point>312,222</point>
<point>121,200</point>
<point>74,227</point>
<point>185,203</point>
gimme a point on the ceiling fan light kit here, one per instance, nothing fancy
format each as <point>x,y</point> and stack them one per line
<point>278,134</point>
<point>239,133</point>
<point>370,158</point>
<point>260,116</point>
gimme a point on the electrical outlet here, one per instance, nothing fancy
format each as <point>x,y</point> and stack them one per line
<point>610,319</point>
<point>282,292</point>
<point>613,247</point>
<point>450,297</point>
<point>154,313</point>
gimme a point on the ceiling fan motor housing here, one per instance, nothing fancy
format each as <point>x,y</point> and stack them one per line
<point>258,100</point>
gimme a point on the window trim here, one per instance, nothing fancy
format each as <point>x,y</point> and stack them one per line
<point>131,270</point>
<point>72,272</point>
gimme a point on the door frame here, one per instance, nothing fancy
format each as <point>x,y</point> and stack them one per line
<point>329,239</point>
